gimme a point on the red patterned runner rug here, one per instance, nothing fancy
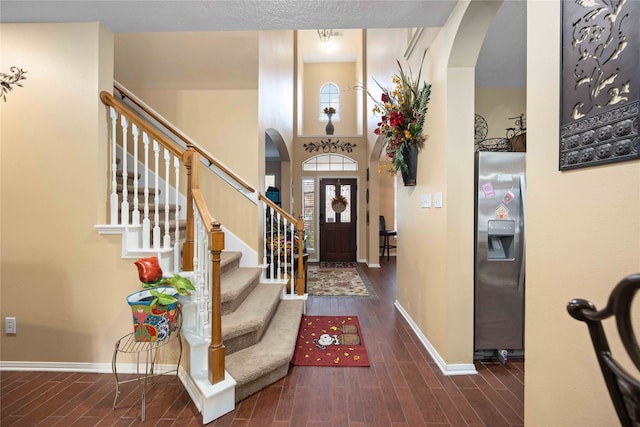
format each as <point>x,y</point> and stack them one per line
<point>330,341</point>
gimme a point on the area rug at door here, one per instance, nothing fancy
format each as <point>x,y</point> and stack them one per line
<point>330,341</point>
<point>337,279</point>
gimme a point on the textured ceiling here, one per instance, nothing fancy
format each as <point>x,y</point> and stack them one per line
<point>501,63</point>
<point>223,15</point>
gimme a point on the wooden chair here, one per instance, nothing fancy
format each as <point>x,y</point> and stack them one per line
<point>385,237</point>
<point>624,388</point>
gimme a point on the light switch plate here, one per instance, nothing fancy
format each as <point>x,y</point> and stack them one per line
<point>10,325</point>
<point>437,200</point>
<point>426,201</point>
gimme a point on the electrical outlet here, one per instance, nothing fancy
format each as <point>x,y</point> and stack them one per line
<point>10,325</point>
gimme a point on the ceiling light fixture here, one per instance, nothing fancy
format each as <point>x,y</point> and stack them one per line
<point>325,35</point>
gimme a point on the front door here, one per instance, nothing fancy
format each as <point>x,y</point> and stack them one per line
<point>337,229</point>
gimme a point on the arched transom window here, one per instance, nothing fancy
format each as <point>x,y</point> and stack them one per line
<point>330,162</point>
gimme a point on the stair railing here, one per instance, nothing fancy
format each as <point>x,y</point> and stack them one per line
<point>268,208</point>
<point>180,139</point>
<point>204,240</point>
<point>283,251</point>
<point>152,157</point>
<point>208,244</point>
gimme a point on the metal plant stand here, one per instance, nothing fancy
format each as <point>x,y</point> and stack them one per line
<point>145,354</point>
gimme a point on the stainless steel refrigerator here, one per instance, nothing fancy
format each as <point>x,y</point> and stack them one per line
<point>499,255</point>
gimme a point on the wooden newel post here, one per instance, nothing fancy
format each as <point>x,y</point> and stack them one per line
<point>216,348</point>
<point>192,179</point>
<point>301,272</point>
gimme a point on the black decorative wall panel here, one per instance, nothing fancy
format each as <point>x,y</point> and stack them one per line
<point>600,82</point>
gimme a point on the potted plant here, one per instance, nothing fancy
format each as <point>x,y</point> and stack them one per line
<point>155,307</point>
<point>403,110</point>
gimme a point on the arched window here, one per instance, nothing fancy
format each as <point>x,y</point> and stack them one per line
<point>329,97</point>
<point>330,162</point>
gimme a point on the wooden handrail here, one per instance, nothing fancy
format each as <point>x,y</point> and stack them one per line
<point>278,209</point>
<point>182,137</point>
<point>132,116</point>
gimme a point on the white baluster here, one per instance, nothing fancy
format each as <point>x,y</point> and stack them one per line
<point>146,222</point>
<point>291,253</point>
<point>135,219</point>
<point>167,212</point>
<point>124,208</point>
<point>156,199</point>
<point>278,245</point>
<point>177,261</point>
<point>113,200</point>
<point>196,270</point>
<point>284,249</point>
<point>207,283</point>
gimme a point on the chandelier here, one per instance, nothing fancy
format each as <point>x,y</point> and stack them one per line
<point>325,35</point>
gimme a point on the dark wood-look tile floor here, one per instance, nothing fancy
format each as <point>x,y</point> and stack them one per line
<point>403,386</point>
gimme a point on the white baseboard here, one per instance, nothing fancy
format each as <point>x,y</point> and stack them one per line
<point>96,368</point>
<point>447,369</point>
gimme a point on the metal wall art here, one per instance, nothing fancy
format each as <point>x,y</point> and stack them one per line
<point>329,146</point>
<point>600,82</point>
<point>7,81</point>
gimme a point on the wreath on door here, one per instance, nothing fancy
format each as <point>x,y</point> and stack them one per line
<point>339,203</point>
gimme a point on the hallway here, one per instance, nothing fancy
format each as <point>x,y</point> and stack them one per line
<point>403,386</point>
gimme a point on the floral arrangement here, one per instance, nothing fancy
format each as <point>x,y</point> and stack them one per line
<point>329,110</point>
<point>403,109</point>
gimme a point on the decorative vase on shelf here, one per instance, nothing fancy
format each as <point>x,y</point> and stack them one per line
<point>410,154</point>
<point>329,128</point>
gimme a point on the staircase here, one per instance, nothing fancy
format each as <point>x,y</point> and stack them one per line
<point>259,317</point>
<point>259,329</point>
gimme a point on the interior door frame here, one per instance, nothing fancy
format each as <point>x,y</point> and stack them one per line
<point>316,220</point>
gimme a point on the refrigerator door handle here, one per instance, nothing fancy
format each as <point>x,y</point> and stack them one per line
<point>523,197</point>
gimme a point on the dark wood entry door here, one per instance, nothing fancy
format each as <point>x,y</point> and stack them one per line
<point>338,229</point>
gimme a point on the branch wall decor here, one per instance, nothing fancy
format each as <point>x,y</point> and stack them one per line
<point>7,81</point>
<point>600,87</point>
<point>329,146</point>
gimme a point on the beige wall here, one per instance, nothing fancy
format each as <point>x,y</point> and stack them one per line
<point>380,185</point>
<point>316,75</point>
<point>218,121</point>
<point>583,237</point>
<point>435,245</point>
<point>275,98</point>
<point>497,105</point>
<point>65,284</point>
